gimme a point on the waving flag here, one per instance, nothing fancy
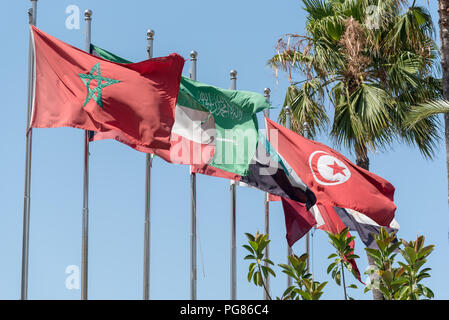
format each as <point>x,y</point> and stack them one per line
<point>236,128</point>
<point>212,126</point>
<point>267,172</point>
<point>299,220</point>
<point>335,180</point>
<point>76,89</point>
<point>364,225</point>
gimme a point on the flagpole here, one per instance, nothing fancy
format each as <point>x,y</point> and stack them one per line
<point>147,224</point>
<point>193,263</point>
<point>306,135</point>
<point>266,92</point>
<point>85,225</point>
<point>288,120</point>
<point>233,265</point>
<point>32,13</point>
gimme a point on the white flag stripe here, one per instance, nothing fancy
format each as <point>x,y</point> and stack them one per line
<point>362,218</point>
<point>194,125</point>
<point>317,214</point>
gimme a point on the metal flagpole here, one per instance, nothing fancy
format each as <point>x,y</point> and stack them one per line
<point>288,118</point>
<point>193,263</point>
<point>306,135</point>
<point>32,13</point>
<point>266,92</point>
<point>232,187</point>
<point>147,224</point>
<point>85,226</point>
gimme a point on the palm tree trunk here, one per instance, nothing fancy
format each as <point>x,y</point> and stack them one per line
<point>362,161</point>
<point>443,10</point>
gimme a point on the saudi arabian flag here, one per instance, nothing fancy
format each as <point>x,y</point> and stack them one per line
<point>213,126</point>
<point>234,113</point>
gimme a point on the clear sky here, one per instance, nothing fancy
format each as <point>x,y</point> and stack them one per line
<point>228,35</point>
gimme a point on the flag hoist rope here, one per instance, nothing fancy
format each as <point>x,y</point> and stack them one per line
<point>147,223</point>
<point>266,93</point>
<point>193,251</point>
<point>232,186</point>
<point>32,13</point>
<point>85,214</point>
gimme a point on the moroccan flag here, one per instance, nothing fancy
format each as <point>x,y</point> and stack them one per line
<point>334,180</point>
<point>76,89</point>
<point>212,126</point>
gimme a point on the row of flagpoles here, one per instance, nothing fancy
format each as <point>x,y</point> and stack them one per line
<point>148,166</point>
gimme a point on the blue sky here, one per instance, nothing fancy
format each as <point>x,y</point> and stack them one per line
<point>228,35</point>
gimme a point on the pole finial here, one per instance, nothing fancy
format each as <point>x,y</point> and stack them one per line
<point>233,74</point>
<point>305,125</point>
<point>266,92</point>
<point>288,109</point>
<point>150,34</point>
<point>193,55</point>
<point>30,15</point>
<point>88,14</point>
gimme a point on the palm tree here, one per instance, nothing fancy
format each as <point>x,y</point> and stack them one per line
<point>433,108</point>
<point>369,62</point>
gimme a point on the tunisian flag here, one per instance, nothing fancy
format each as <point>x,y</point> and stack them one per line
<point>333,179</point>
<point>75,89</point>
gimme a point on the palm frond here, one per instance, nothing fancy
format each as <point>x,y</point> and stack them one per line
<point>425,110</point>
<point>306,103</point>
<point>362,118</point>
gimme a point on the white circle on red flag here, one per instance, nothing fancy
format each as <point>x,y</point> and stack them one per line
<point>328,170</point>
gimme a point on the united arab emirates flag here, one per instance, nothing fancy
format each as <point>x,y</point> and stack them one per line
<point>212,126</point>
<point>75,89</point>
<point>267,172</point>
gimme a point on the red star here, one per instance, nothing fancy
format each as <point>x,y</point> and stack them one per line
<point>336,168</point>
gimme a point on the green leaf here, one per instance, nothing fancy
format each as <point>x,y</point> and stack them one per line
<point>247,247</point>
<point>338,278</point>
<point>268,261</point>
<point>250,236</point>
<point>331,267</point>
<point>254,245</point>
<point>411,254</point>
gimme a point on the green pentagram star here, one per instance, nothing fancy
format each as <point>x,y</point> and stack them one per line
<point>95,93</point>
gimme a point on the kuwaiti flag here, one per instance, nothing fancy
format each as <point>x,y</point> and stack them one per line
<point>192,138</point>
<point>334,180</point>
<point>212,125</point>
<point>75,89</point>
